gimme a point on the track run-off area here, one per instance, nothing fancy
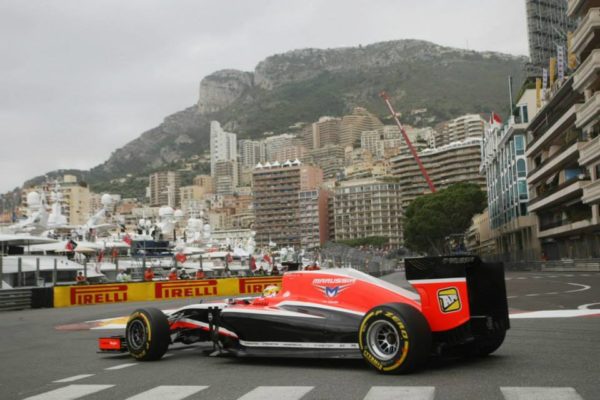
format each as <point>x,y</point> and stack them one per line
<point>552,351</point>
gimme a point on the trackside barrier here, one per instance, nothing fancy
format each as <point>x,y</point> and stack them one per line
<point>15,299</point>
<point>77,295</point>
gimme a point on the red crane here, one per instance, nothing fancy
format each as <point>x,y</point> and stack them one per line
<point>386,98</point>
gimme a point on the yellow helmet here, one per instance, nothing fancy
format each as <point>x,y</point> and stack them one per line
<point>270,291</point>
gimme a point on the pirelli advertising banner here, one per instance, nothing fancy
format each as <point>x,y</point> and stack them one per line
<point>79,295</point>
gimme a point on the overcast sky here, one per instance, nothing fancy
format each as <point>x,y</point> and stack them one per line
<point>81,78</point>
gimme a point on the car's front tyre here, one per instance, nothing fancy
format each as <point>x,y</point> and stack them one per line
<point>394,338</point>
<point>147,334</point>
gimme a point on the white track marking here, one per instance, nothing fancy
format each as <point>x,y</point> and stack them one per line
<point>532,294</point>
<point>121,366</point>
<point>522,277</point>
<point>581,288</point>
<point>73,378</point>
<point>540,393</point>
<point>168,393</point>
<point>554,314</point>
<point>400,392</point>
<point>168,355</point>
<point>70,392</point>
<point>277,392</point>
<point>587,306</point>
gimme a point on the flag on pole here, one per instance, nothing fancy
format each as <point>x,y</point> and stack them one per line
<point>544,79</point>
<point>495,119</point>
<point>552,70</point>
<point>571,57</point>
<point>127,239</point>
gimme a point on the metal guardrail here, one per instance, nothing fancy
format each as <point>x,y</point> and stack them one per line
<point>15,299</point>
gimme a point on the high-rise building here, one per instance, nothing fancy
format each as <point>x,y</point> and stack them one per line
<point>454,163</point>
<point>313,217</point>
<point>206,182</point>
<point>289,153</point>
<point>75,200</point>
<point>226,177</point>
<point>563,151</point>
<point>459,129</point>
<point>329,158</point>
<point>547,27</point>
<point>353,125</point>
<point>223,146</point>
<point>275,144</point>
<point>513,230</point>
<point>277,201</point>
<point>368,207</point>
<point>164,189</point>
<point>251,152</point>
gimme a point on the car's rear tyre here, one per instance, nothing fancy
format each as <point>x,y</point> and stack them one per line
<point>486,345</point>
<point>147,334</point>
<point>394,338</point>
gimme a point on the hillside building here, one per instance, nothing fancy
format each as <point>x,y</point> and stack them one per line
<point>352,126</point>
<point>277,203</point>
<point>164,189</point>
<point>459,129</point>
<point>223,146</point>
<point>454,163</point>
<point>368,207</point>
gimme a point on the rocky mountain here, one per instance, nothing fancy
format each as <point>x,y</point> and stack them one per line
<point>302,85</point>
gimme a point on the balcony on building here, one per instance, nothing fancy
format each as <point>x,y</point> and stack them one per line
<point>562,152</point>
<point>563,187</point>
<point>589,113</point>
<point>557,127</point>
<point>577,8</point>
<point>588,73</point>
<point>584,38</point>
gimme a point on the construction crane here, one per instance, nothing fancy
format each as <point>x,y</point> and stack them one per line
<point>386,98</point>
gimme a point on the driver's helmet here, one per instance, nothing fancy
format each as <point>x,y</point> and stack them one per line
<point>270,291</point>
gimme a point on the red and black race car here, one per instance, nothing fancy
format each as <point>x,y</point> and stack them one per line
<point>459,303</point>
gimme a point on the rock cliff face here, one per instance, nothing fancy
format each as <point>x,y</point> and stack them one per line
<point>302,85</point>
<point>218,90</point>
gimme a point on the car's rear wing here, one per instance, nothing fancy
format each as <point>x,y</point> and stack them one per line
<point>455,290</point>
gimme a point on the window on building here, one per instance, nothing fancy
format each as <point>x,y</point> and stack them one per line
<point>519,145</point>
<point>521,168</point>
<point>522,189</point>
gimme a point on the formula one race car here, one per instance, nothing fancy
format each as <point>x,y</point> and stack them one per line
<point>460,304</point>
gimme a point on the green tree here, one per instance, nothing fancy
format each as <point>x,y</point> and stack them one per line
<point>431,218</point>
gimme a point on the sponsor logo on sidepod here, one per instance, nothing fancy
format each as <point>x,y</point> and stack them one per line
<point>331,287</point>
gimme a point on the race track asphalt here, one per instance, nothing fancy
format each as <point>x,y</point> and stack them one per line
<point>552,358</point>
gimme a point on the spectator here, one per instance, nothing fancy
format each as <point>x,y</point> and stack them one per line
<point>121,276</point>
<point>149,274</point>
<point>80,278</point>
<point>260,271</point>
<point>200,274</point>
<point>227,272</point>
<point>126,276</point>
<point>275,270</point>
<point>183,274</point>
<point>173,274</point>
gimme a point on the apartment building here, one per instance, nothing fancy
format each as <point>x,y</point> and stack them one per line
<point>223,146</point>
<point>513,230</point>
<point>277,200</point>
<point>164,189</point>
<point>329,158</point>
<point>368,207</point>
<point>353,125</point>
<point>251,152</point>
<point>447,165</point>
<point>326,131</point>
<point>313,217</point>
<point>459,129</point>
<point>563,150</point>
<point>226,176</point>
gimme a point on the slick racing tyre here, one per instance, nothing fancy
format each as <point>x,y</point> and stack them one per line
<point>394,338</point>
<point>147,334</point>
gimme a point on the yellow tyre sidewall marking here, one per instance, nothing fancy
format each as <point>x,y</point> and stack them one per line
<point>148,332</point>
<point>403,332</point>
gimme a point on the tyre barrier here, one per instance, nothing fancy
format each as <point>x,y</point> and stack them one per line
<point>23,298</point>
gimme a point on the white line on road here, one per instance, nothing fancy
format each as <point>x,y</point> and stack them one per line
<point>277,392</point>
<point>400,392</point>
<point>581,289</point>
<point>168,393</point>
<point>532,294</point>
<point>540,393</point>
<point>73,378</point>
<point>587,306</point>
<point>554,314</point>
<point>70,392</point>
<point>120,366</point>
